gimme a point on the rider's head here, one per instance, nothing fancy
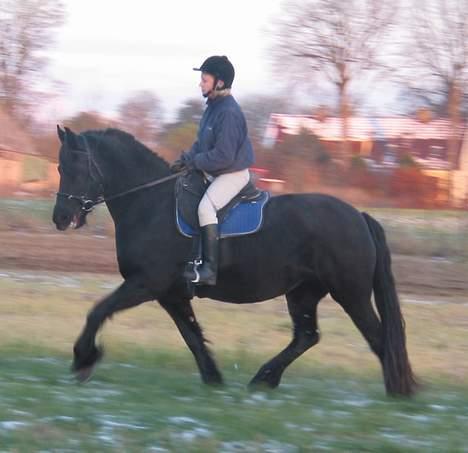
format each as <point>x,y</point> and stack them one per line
<point>217,74</point>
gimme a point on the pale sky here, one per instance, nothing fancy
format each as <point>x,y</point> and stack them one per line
<point>109,48</point>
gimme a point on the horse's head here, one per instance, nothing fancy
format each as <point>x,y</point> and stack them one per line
<point>78,187</point>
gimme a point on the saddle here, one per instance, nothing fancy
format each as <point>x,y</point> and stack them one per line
<point>242,215</point>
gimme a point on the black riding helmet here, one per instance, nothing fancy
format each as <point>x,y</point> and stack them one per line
<point>219,67</point>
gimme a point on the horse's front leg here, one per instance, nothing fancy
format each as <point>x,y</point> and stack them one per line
<point>180,310</point>
<point>129,294</point>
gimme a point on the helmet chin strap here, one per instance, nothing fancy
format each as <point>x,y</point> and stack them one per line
<point>216,87</point>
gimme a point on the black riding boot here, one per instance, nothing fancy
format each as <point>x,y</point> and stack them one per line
<point>205,273</point>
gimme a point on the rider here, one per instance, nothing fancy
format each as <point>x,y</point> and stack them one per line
<point>223,152</point>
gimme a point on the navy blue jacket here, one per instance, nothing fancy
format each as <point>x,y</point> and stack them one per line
<point>223,144</point>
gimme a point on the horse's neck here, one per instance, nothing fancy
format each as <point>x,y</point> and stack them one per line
<point>124,169</point>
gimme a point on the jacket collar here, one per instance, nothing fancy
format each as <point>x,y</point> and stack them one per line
<point>219,97</point>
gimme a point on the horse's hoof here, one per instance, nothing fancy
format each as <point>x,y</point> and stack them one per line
<point>215,383</point>
<point>263,382</point>
<point>83,375</point>
<point>83,370</point>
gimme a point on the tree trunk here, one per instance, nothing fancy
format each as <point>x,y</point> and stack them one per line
<point>454,139</point>
<point>345,156</point>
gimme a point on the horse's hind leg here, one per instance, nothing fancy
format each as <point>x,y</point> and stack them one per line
<point>180,310</point>
<point>302,307</point>
<point>360,310</point>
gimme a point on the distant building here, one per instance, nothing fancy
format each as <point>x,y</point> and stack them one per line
<point>382,141</point>
<point>22,169</point>
<point>460,176</point>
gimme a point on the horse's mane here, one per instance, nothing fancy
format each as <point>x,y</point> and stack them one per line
<point>121,140</point>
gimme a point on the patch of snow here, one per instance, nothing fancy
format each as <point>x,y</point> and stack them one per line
<point>10,425</point>
<point>341,414</point>
<point>354,402</point>
<point>23,413</point>
<point>417,418</point>
<point>62,418</point>
<point>181,420</point>
<point>123,425</point>
<point>295,427</point>
<point>402,439</point>
<point>438,407</point>
<point>192,434</point>
<point>274,446</point>
<point>106,438</point>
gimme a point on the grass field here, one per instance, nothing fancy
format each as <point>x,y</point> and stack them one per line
<point>146,395</point>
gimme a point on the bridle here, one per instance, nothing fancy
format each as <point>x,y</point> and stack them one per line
<point>86,202</point>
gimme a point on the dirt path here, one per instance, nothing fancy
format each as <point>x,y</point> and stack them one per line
<point>79,251</point>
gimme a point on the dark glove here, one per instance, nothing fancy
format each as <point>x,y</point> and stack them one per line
<point>178,166</point>
<point>183,163</point>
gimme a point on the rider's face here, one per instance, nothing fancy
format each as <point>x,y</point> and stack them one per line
<point>206,83</point>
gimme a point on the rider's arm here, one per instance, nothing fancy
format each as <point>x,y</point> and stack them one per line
<point>194,149</point>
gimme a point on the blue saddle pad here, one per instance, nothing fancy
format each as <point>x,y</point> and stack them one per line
<point>244,218</point>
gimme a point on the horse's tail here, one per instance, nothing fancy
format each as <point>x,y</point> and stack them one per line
<point>398,375</point>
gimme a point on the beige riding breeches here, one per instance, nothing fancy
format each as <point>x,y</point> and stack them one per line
<point>219,193</point>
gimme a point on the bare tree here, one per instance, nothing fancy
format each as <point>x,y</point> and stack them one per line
<point>420,95</point>
<point>333,41</point>
<point>83,121</point>
<point>26,31</point>
<point>141,114</point>
<point>436,58</point>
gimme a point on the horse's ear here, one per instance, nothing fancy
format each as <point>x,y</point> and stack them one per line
<point>70,138</point>
<point>60,133</point>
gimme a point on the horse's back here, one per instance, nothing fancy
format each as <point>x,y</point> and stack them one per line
<point>315,211</point>
<point>343,248</point>
<point>333,222</point>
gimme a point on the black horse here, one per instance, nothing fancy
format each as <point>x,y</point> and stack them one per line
<point>310,245</point>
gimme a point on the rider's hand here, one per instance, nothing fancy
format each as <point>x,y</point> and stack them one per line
<point>183,163</point>
<point>178,165</point>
